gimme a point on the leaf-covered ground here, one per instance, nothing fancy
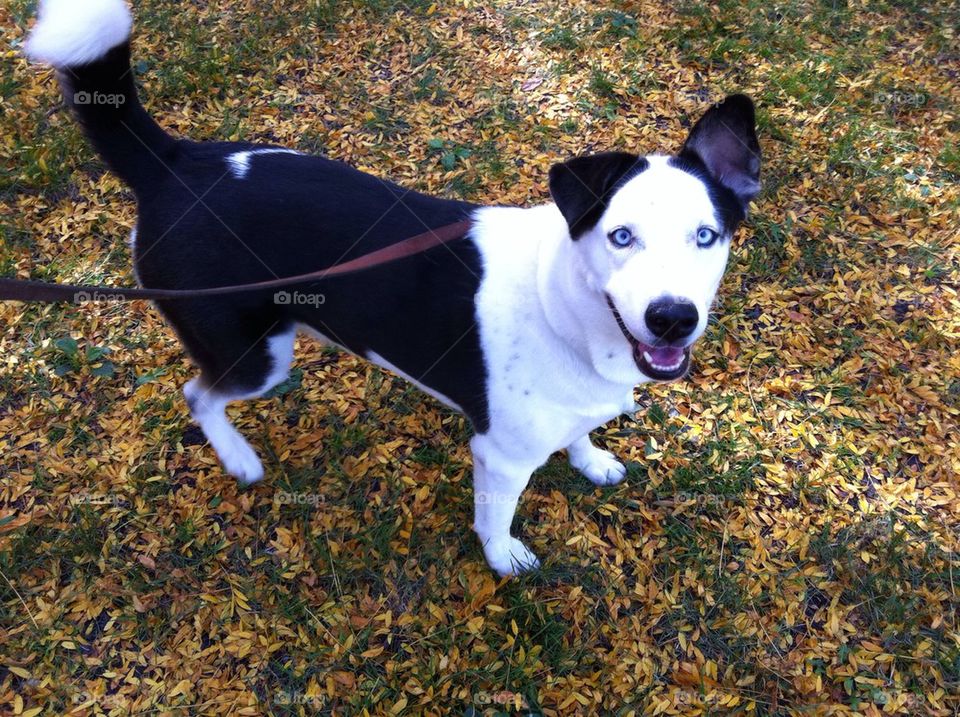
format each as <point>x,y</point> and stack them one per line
<point>787,541</point>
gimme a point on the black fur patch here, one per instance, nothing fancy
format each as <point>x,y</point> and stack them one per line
<point>104,98</point>
<point>292,214</point>
<point>582,187</point>
<point>723,144</point>
<point>201,226</point>
<point>727,207</point>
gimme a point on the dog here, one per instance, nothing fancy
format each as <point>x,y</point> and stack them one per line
<point>537,324</point>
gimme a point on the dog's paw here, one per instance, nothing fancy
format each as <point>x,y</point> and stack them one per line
<point>510,557</point>
<point>600,467</point>
<point>240,460</point>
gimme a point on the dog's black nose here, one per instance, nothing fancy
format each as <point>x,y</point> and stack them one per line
<point>672,320</point>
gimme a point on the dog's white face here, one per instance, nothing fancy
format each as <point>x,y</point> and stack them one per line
<point>653,233</point>
<point>659,241</point>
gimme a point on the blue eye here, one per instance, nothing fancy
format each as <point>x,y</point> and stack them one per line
<point>621,237</point>
<point>706,237</point>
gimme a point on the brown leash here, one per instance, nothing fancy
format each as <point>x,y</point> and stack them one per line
<point>22,290</point>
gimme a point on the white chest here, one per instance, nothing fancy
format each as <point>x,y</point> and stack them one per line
<point>543,391</point>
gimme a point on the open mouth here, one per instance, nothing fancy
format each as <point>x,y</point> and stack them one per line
<point>661,363</point>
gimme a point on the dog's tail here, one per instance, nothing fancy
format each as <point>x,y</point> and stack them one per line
<point>88,42</point>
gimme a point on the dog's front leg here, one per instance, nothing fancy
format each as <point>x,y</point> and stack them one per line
<point>599,466</point>
<point>498,482</point>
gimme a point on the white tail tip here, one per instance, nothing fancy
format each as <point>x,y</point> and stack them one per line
<point>70,33</point>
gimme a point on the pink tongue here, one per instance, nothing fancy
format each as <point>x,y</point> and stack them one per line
<point>666,356</point>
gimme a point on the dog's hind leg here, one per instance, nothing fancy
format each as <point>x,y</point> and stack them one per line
<point>260,368</point>
<point>599,466</point>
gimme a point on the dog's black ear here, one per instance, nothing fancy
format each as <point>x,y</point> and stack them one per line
<point>725,141</point>
<point>582,187</point>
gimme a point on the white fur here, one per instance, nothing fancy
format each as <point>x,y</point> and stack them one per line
<point>543,391</point>
<point>77,32</point>
<point>280,347</point>
<point>209,411</point>
<point>664,207</point>
<point>239,162</point>
<point>133,247</point>
<point>558,363</point>
<point>599,466</point>
<point>498,480</point>
<point>208,406</point>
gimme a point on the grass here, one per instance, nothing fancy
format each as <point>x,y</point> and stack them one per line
<point>786,541</point>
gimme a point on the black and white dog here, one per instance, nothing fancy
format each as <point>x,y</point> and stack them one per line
<point>537,324</point>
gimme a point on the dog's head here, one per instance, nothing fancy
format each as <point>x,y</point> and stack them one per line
<point>653,233</point>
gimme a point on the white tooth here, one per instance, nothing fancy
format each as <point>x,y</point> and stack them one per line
<point>664,368</point>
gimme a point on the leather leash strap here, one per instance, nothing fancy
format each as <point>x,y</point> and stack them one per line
<point>22,290</point>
